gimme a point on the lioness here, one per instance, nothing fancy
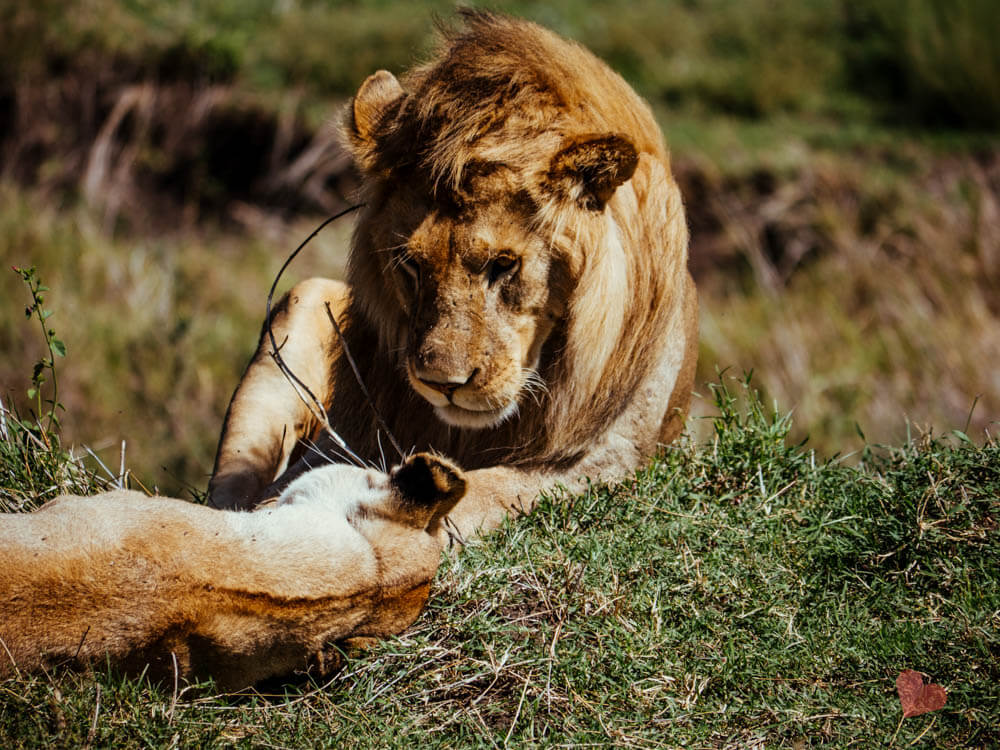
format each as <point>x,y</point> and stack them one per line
<point>518,295</point>
<point>169,585</point>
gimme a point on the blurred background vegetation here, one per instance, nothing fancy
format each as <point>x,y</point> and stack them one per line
<point>840,163</point>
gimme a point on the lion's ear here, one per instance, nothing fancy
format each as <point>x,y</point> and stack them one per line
<point>427,488</point>
<point>589,169</point>
<point>378,97</point>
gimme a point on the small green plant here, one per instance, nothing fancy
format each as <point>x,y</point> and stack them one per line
<point>45,368</point>
<point>33,464</point>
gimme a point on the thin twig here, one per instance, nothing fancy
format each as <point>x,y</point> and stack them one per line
<point>34,438</point>
<point>926,730</point>
<point>453,532</point>
<point>892,741</point>
<point>11,657</point>
<point>305,395</point>
<point>121,469</point>
<point>100,463</point>
<point>173,699</point>
<point>93,726</point>
<point>275,353</point>
<point>361,382</point>
<point>79,646</point>
<point>315,406</point>
<point>517,713</point>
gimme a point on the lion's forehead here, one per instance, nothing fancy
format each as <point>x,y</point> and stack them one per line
<point>478,184</point>
<point>472,238</point>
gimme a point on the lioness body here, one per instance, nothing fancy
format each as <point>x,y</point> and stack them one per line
<point>237,596</point>
<point>518,296</point>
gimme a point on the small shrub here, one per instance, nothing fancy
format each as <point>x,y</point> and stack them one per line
<point>34,467</point>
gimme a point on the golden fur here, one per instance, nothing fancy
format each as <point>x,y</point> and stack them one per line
<point>162,584</point>
<point>518,296</point>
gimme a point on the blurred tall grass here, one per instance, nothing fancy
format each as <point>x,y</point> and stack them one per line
<point>869,297</point>
<point>920,62</point>
<point>157,329</point>
<point>840,163</point>
<point>934,63</point>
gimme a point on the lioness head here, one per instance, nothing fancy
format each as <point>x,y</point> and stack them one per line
<point>417,493</point>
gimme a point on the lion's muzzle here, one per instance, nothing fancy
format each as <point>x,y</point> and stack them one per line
<point>458,400</point>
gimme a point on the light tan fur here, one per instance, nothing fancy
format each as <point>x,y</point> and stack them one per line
<point>161,584</point>
<point>518,296</point>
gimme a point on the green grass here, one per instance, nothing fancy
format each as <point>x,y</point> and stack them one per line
<point>737,593</point>
<point>34,466</point>
<point>925,62</point>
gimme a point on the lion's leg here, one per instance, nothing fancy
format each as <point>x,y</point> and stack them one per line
<point>266,416</point>
<point>497,492</point>
<point>493,494</point>
<point>680,396</point>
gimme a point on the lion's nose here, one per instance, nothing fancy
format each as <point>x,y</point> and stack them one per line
<point>443,383</point>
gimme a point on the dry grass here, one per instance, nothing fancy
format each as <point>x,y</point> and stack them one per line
<point>860,289</point>
<point>864,294</point>
<point>157,329</point>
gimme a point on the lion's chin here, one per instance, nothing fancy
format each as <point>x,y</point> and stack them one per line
<point>456,416</point>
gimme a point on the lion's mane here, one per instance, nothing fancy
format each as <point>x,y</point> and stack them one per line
<point>517,93</point>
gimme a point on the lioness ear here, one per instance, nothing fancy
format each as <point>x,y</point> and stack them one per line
<point>428,487</point>
<point>378,96</point>
<point>589,169</point>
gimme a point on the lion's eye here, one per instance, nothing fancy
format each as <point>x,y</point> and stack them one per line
<point>500,266</point>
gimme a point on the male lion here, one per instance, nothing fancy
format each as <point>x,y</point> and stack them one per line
<point>157,583</point>
<point>518,296</point>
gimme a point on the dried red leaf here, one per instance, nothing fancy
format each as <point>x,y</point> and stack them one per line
<point>917,698</point>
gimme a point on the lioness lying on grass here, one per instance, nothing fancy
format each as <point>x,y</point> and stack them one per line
<point>345,552</point>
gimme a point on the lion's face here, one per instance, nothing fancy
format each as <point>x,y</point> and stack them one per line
<point>459,233</point>
<point>474,283</point>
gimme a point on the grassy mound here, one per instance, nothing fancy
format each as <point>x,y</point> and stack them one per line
<point>739,593</point>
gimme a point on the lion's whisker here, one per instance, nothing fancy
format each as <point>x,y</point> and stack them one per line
<point>381,453</point>
<point>346,457</point>
<point>534,385</point>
